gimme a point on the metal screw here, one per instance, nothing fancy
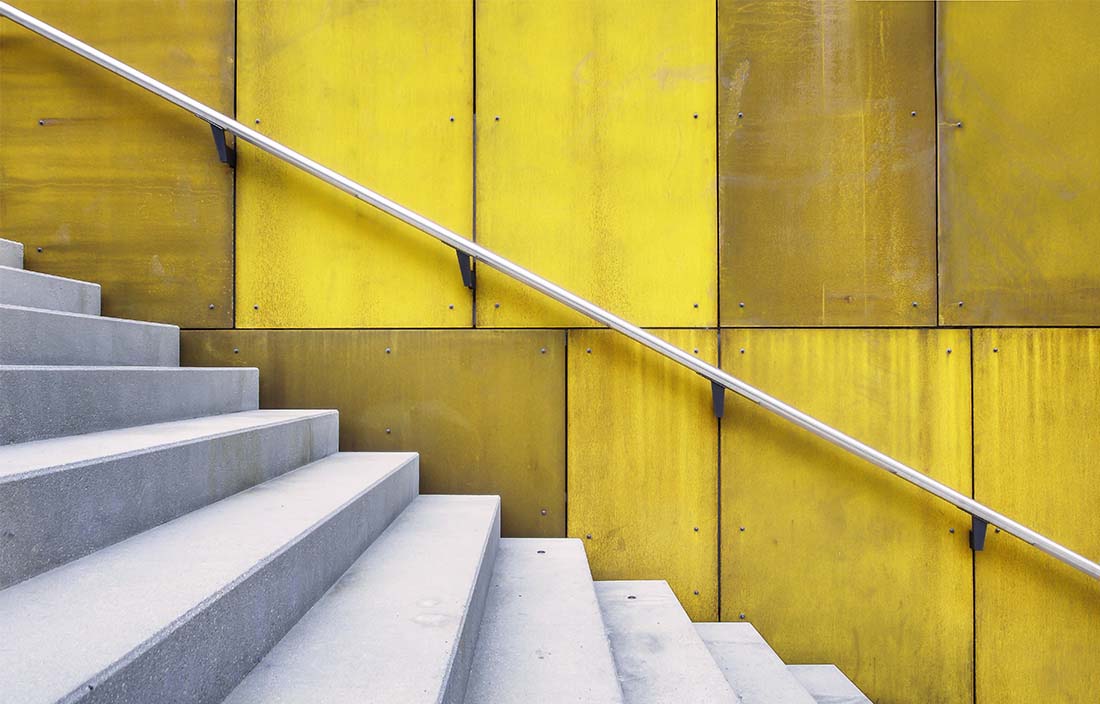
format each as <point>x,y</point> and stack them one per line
<point>496,305</point>
<point>741,304</point>
<point>452,118</point>
<point>256,307</point>
<point>996,530</point>
<point>211,306</point>
<point>257,120</point>
<point>588,536</point>
<point>41,122</point>
<point>742,350</point>
<point>996,349</point>
<point>387,350</point>
<point>696,350</point>
<point>39,249</point>
<point>696,116</point>
<point>914,304</point>
<point>948,350</point>
<point>543,350</point>
<point>543,512</point>
<point>950,530</point>
<point>497,118</point>
<point>696,529</point>
<point>742,529</point>
<point>740,115</point>
<point>696,592</point>
<point>741,616</point>
<point>958,124</point>
<point>694,305</point>
<point>589,350</point>
<point>960,304</point>
<point>452,306</point>
<point>387,431</point>
<point>913,114</point>
<point>236,350</point>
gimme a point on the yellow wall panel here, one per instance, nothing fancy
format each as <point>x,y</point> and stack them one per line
<point>643,464</point>
<point>827,163</point>
<point>1036,440</point>
<point>840,561</point>
<point>600,171</point>
<point>1019,183</point>
<point>485,409</point>
<point>114,184</point>
<point>382,93</point>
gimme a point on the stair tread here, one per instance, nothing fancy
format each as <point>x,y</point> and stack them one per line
<point>752,668</point>
<point>542,638</point>
<point>33,289</point>
<point>394,626</point>
<point>659,655</point>
<point>38,402</point>
<point>37,336</point>
<point>67,629</point>
<point>54,454</point>
<point>828,685</point>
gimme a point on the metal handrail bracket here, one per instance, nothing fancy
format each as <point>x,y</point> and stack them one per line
<point>484,256</point>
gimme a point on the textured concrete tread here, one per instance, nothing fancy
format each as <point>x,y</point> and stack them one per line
<point>400,625</point>
<point>31,289</point>
<point>659,655</point>
<point>752,668</point>
<point>11,254</point>
<point>542,638</point>
<point>36,336</point>
<point>828,685</point>
<point>71,631</point>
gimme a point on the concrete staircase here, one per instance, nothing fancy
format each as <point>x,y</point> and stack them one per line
<point>164,540</point>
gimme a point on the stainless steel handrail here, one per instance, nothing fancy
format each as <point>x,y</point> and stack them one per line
<point>477,252</point>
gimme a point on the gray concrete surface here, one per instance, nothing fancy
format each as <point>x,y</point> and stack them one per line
<point>828,685</point>
<point>34,290</point>
<point>401,625</point>
<point>11,254</point>
<point>542,638</point>
<point>38,402</point>
<point>181,612</point>
<point>659,655</point>
<point>752,668</point>
<point>35,336</point>
<point>63,498</point>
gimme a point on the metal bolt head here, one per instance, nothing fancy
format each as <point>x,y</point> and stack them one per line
<point>588,536</point>
<point>497,118</point>
<point>740,115</point>
<point>387,350</point>
<point>694,305</point>
<point>42,122</point>
<point>913,114</point>
<point>543,512</point>
<point>543,350</point>
<point>451,306</point>
<point>211,306</point>
<point>914,304</point>
<point>236,350</point>
<point>948,350</point>
<point>387,431</point>
<point>696,529</point>
<point>741,304</point>
<point>257,120</point>
<point>39,249</point>
<point>588,351</point>
<point>696,350</point>
<point>742,350</point>
<point>496,305</point>
<point>950,530</point>
<point>256,307</point>
<point>696,592</point>
<point>695,115</point>
<point>996,349</point>
<point>741,616</point>
<point>958,124</point>
<point>960,304</point>
<point>742,529</point>
<point>452,118</point>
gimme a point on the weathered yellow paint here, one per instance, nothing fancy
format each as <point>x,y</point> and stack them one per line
<point>369,89</point>
<point>114,184</point>
<point>600,172</point>
<point>643,464</point>
<point>1019,183</point>
<point>1036,407</point>
<point>827,196</point>
<point>484,409</point>
<point>840,561</point>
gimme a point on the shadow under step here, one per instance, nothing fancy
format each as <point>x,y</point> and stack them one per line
<point>750,665</point>
<point>400,626</point>
<point>659,655</point>
<point>828,685</point>
<point>38,402</point>
<point>64,498</point>
<point>542,638</point>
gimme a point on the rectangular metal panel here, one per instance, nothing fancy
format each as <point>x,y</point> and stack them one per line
<point>105,182</point>
<point>382,92</point>
<point>643,463</point>
<point>485,409</point>
<point>1036,440</point>
<point>833,559</point>
<point>596,158</point>
<point>827,163</point>
<point>1019,148</point>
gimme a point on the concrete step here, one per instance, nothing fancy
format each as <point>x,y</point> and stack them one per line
<point>38,402</point>
<point>401,625</point>
<point>542,638</point>
<point>36,336</point>
<point>33,290</point>
<point>64,498</point>
<point>182,612</point>
<point>659,655</point>
<point>11,254</point>
<point>828,685</point>
<point>751,667</point>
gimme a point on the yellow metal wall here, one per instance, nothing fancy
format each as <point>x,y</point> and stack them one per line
<point>670,160</point>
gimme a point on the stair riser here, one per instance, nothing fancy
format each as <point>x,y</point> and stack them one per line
<point>46,402</point>
<point>454,692</point>
<point>24,288</point>
<point>202,659</point>
<point>29,336</point>
<point>11,254</point>
<point>55,517</point>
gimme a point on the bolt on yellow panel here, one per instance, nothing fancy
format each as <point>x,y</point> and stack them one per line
<point>596,158</point>
<point>485,409</point>
<point>1019,153</point>
<point>827,163</point>
<point>382,93</point>
<point>643,463</point>
<point>1036,440</point>
<point>106,182</point>
<point>831,558</point>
